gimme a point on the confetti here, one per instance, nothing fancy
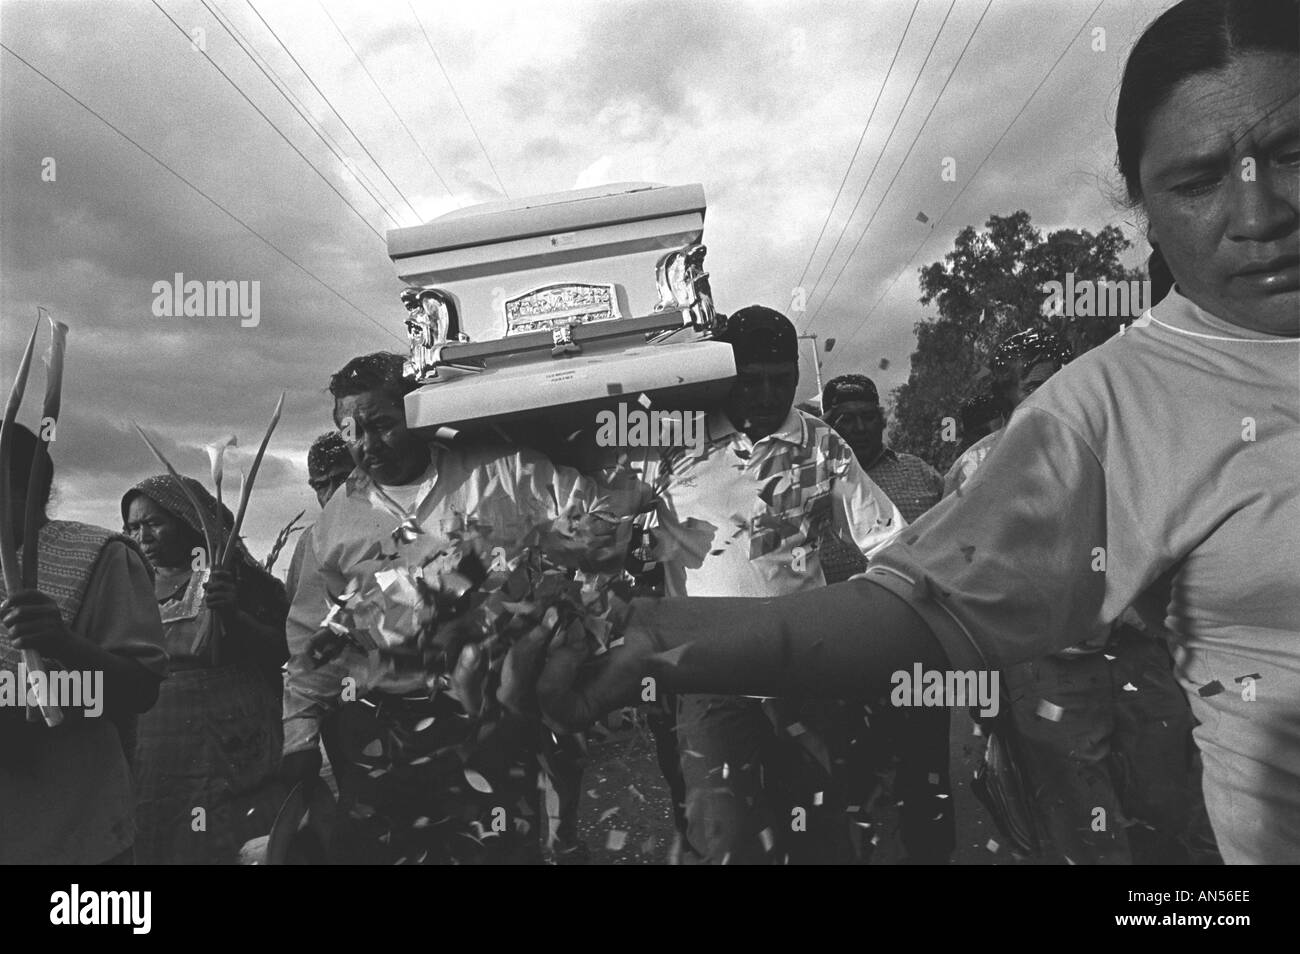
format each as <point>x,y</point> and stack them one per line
<point>644,400</point>
<point>478,782</point>
<point>374,750</point>
<point>422,822</point>
<point>933,778</point>
<point>726,770</point>
<point>967,553</point>
<point>767,838</point>
<point>1109,658</point>
<point>992,846</point>
<point>424,723</point>
<point>1129,687</point>
<point>1210,689</point>
<point>795,729</point>
<point>616,841</point>
<point>606,814</point>
<point>884,364</point>
<point>1253,675</point>
<point>818,797</point>
<point>1049,711</point>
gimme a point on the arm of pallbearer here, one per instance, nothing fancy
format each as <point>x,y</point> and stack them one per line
<point>310,691</point>
<point>861,513</point>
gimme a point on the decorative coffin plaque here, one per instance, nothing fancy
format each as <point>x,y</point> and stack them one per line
<point>551,305</point>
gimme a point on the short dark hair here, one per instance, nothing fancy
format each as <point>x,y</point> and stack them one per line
<point>328,452</point>
<point>21,453</point>
<point>1196,36</point>
<point>380,371</point>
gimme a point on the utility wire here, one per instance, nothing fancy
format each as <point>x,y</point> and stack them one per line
<point>437,59</point>
<point>232,30</point>
<point>272,124</point>
<point>933,106</point>
<point>866,185</point>
<point>380,89</point>
<point>322,95</point>
<point>856,150</point>
<point>256,234</point>
<point>992,149</point>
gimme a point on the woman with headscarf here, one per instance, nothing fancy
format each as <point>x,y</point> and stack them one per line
<point>208,752</point>
<point>65,790</point>
<point>1164,460</point>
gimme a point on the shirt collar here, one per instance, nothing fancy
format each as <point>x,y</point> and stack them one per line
<point>886,454</point>
<point>793,430</point>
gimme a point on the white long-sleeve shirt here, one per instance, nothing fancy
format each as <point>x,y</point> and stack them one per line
<point>511,491</point>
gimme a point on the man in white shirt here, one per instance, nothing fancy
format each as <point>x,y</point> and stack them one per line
<point>740,515</point>
<point>513,496</point>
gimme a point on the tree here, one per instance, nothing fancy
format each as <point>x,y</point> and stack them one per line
<point>993,284</point>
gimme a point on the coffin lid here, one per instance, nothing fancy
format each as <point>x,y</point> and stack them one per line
<point>558,212</point>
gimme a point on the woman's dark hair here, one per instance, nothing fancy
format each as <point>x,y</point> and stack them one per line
<point>22,450</point>
<point>380,371</point>
<point>1196,36</point>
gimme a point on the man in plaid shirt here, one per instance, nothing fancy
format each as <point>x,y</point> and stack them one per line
<point>740,516</point>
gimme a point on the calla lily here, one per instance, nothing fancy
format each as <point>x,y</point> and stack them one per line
<point>216,459</point>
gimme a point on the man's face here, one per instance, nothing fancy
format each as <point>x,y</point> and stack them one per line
<point>326,484</point>
<point>761,397</point>
<point>375,423</point>
<point>1025,381</point>
<point>862,425</point>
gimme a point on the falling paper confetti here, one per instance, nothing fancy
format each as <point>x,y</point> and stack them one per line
<point>818,797</point>
<point>606,814</point>
<point>424,723</point>
<point>374,750</point>
<point>768,839</point>
<point>616,841</point>
<point>1129,687</point>
<point>884,364</point>
<point>1210,689</point>
<point>1049,711</point>
<point>992,846</point>
<point>644,400</point>
<point>478,782</point>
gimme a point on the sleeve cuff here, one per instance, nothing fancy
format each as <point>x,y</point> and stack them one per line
<point>959,646</point>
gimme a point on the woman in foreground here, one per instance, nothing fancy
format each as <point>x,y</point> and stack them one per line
<point>1172,451</point>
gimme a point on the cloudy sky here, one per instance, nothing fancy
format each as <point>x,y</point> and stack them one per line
<point>762,102</point>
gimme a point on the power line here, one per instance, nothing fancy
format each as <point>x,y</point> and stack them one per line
<point>866,185</point>
<point>322,95</point>
<point>241,42</point>
<point>380,89</point>
<point>856,150</point>
<point>969,181</point>
<point>205,195</point>
<point>437,59</point>
<point>901,165</point>
<point>270,122</point>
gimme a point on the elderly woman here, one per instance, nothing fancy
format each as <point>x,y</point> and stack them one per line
<point>65,791</point>
<point>208,752</point>
<point>1164,460</point>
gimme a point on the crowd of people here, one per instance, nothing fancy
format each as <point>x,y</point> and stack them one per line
<point>1113,542</point>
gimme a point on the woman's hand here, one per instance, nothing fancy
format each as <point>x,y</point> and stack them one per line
<point>221,594</point>
<point>34,622</point>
